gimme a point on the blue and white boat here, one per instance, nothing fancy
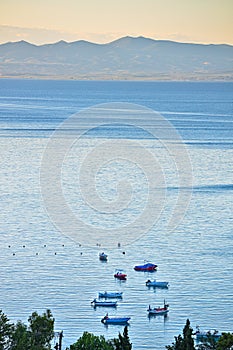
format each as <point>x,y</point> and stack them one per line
<point>155,283</point>
<point>103,256</point>
<point>96,302</point>
<point>115,320</point>
<point>110,295</point>
<point>204,335</point>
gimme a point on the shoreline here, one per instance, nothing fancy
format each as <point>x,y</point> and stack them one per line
<point>130,78</point>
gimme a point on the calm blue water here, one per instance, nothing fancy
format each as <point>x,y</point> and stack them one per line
<point>41,268</point>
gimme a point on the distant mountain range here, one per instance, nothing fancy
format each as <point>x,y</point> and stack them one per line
<point>127,58</point>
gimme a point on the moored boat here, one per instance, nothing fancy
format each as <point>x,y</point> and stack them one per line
<point>146,267</point>
<point>120,275</point>
<point>159,310</point>
<point>96,302</point>
<point>204,335</point>
<point>103,256</point>
<point>111,295</point>
<point>155,283</point>
<point>115,320</point>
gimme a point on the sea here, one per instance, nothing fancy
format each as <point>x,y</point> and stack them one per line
<point>139,170</point>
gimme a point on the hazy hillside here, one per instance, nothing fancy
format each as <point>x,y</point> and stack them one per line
<point>125,58</point>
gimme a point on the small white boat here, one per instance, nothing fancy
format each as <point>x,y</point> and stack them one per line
<point>159,310</point>
<point>155,283</point>
<point>110,295</point>
<point>103,256</point>
<point>96,302</point>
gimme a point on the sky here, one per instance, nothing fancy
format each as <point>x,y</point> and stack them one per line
<point>101,21</point>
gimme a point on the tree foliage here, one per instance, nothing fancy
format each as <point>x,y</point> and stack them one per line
<point>89,341</point>
<point>123,341</point>
<point>184,342</point>
<point>36,336</point>
<point>225,342</point>
<point>6,329</point>
<point>209,342</point>
<point>41,330</point>
<point>21,337</point>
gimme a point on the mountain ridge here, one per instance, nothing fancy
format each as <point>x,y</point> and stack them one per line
<point>117,40</point>
<point>124,58</point>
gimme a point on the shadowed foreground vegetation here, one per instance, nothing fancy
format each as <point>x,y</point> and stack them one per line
<point>186,341</point>
<point>39,333</point>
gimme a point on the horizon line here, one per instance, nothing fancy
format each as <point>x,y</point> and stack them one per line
<point>109,42</point>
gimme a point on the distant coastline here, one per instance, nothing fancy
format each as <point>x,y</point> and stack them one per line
<point>128,58</point>
<point>142,79</point>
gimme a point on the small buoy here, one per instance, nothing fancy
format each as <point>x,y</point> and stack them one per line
<point>63,245</point>
<point>13,253</point>
<point>36,253</point>
<point>123,252</point>
<point>23,246</point>
<point>118,245</point>
<point>9,246</point>
<point>55,253</point>
<point>81,253</point>
<point>44,245</point>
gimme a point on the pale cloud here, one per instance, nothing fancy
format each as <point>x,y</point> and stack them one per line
<point>40,36</point>
<point>33,35</point>
<point>101,37</point>
<point>179,37</point>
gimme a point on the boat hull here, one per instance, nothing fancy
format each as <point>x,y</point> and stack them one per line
<point>121,277</point>
<point>146,267</point>
<point>158,313</point>
<point>157,284</point>
<point>103,257</point>
<point>110,295</point>
<point>122,321</point>
<point>202,336</point>
<point>105,304</point>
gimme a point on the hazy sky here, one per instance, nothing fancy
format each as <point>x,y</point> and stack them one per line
<point>43,21</point>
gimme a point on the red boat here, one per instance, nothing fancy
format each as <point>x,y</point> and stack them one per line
<point>159,310</point>
<point>120,275</point>
<point>146,267</point>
